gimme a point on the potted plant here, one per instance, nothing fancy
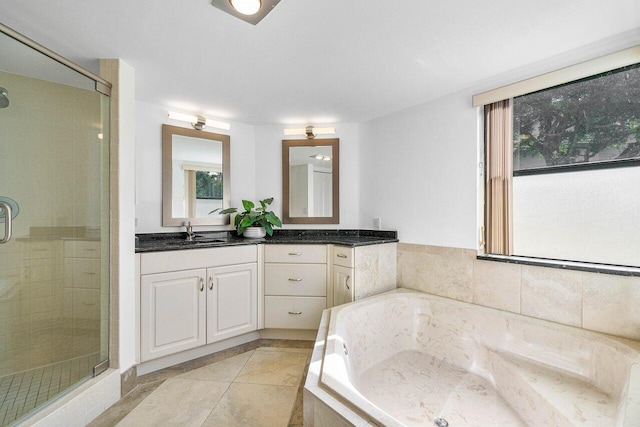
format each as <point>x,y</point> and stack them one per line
<point>254,222</point>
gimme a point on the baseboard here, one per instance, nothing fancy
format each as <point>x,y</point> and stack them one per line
<point>289,334</point>
<point>194,353</point>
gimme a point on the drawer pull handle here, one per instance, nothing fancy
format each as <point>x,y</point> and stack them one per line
<point>295,280</point>
<point>346,282</point>
<point>295,253</point>
<point>201,284</point>
<point>295,313</point>
<point>210,283</point>
<point>341,256</point>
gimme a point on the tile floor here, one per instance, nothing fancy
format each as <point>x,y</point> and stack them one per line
<point>255,384</point>
<point>22,392</point>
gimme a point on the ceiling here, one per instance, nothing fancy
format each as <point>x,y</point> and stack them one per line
<point>315,61</point>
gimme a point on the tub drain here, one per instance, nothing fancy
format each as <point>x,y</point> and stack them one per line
<point>441,422</point>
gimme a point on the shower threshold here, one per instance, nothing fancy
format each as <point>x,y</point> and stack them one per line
<point>22,392</point>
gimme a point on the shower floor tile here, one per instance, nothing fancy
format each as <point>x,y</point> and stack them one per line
<point>22,392</point>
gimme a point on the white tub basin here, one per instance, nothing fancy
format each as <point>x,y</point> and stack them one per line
<point>406,358</point>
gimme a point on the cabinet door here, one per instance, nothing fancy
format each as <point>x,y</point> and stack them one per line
<point>232,301</point>
<point>172,312</point>
<point>342,285</point>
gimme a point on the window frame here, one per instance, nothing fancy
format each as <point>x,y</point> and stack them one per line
<point>568,75</point>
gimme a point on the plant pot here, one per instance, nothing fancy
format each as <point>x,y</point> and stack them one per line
<point>254,232</point>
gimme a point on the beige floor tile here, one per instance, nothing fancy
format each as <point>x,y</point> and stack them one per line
<point>225,370</point>
<point>177,402</point>
<point>254,405</point>
<point>124,406</point>
<point>274,367</point>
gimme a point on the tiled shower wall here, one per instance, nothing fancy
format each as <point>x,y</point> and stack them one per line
<point>50,164</point>
<point>595,301</point>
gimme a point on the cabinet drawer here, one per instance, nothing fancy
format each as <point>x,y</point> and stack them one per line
<point>159,262</point>
<point>302,254</point>
<point>82,249</point>
<point>293,312</point>
<point>296,279</point>
<point>343,255</point>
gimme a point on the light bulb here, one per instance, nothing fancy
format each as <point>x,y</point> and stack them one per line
<point>246,7</point>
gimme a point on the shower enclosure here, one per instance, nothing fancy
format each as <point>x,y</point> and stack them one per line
<point>54,226</point>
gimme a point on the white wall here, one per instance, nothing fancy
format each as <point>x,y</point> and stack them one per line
<point>269,172</point>
<point>418,172</point>
<point>149,121</point>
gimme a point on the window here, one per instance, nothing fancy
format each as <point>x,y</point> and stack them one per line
<point>208,185</point>
<point>571,190</point>
<point>590,121</point>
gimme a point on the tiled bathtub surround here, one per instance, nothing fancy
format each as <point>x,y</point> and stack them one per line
<point>405,358</point>
<point>595,301</point>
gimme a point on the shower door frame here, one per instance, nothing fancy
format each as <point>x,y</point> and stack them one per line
<point>102,86</point>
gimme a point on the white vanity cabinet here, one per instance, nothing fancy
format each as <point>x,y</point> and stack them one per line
<point>362,271</point>
<point>195,297</point>
<point>232,301</point>
<point>173,312</point>
<point>295,286</point>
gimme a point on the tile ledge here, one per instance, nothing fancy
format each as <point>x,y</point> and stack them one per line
<point>564,265</point>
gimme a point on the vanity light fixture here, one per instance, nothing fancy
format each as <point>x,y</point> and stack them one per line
<point>251,11</point>
<point>310,131</point>
<point>198,122</point>
<point>321,157</point>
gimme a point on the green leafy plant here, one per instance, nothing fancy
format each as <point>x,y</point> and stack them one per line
<point>254,217</point>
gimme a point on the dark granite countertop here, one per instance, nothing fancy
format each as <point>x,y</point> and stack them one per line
<point>157,242</point>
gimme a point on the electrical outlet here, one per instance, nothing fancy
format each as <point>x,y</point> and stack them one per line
<point>377,223</point>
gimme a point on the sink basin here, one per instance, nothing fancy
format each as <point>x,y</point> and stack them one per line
<point>208,240</point>
<point>198,240</point>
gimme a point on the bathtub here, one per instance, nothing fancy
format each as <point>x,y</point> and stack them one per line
<point>406,358</point>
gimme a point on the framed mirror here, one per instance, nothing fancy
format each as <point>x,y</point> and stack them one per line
<point>195,176</point>
<point>311,181</point>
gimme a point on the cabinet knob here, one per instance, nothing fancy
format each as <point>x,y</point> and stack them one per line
<point>201,284</point>
<point>341,256</point>
<point>210,283</point>
<point>295,253</point>
<point>294,280</point>
<point>295,313</point>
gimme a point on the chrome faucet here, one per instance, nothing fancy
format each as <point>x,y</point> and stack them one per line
<point>190,233</point>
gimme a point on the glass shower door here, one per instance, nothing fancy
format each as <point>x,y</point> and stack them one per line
<point>54,229</point>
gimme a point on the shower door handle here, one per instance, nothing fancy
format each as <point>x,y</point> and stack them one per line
<point>8,218</point>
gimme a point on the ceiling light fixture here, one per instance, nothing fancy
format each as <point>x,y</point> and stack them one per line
<point>310,131</point>
<point>251,11</point>
<point>199,122</point>
<point>246,7</point>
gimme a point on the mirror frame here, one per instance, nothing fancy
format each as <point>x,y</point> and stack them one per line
<point>334,143</point>
<point>167,177</point>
